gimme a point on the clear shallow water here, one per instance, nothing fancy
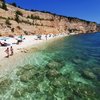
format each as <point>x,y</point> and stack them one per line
<point>65,69</point>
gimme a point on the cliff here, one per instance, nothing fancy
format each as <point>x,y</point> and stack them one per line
<point>14,21</point>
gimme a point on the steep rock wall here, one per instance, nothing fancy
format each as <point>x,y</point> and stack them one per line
<point>41,23</point>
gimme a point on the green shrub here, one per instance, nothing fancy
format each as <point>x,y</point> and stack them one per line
<point>19,13</point>
<point>19,27</point>
<point>28,16</point>
<point>17,18</point>
<point>35,17</point>
<point>14,4</point>
<point>8,21</point>
<point>4,6</point>
<point>26,33</point>
<point>26,22</point>
<point>1,17</point>
<point>12,29</point>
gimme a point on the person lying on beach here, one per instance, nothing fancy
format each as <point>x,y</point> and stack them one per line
<point>19,41</point>
<point>21,38</point>
<point>7,52</point>
<point>3,44</point>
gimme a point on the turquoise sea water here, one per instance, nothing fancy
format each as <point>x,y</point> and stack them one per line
<point>64,69</point>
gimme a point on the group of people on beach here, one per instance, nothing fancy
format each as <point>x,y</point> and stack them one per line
<point>9,51</point>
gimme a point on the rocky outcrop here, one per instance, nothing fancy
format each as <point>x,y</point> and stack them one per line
<point>98,28</point>
<point>19,21</point>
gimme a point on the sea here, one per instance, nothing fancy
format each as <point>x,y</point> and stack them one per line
<point>63,69</point>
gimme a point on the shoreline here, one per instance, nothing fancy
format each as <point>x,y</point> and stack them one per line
<point>8,64</point>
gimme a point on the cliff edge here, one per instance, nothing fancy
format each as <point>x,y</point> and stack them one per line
<point>15,21</point>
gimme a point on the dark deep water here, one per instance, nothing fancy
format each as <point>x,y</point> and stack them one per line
<point>66,69</point>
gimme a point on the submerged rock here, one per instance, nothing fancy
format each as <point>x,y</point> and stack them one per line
<point>76,61</point>
<point>5,84</point>
<point>89,74</point>
<point>27,75</point>
<point>51,74</point>
<point>30,89</point>
<point>18,93</point>
<point>32,86</point>
<point>28,67</point>
<point>54,65</point>
<point>22,70</point>
<point>50,84</point>
<point>57,83</point>
<point>70,97</point>
<point>96,70</point>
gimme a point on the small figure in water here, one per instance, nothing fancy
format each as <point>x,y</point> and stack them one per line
<point>11,50</point>
<point>7,52</point>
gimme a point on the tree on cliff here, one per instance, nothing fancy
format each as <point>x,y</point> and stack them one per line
<point>17,18</point>
<point>4,5</point>
<point>8,21</point>
<point>19,13</point>
<point>14,4</point>
<point>2,0</point>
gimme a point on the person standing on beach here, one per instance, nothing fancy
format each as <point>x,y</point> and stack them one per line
<point>46,37</point>
<point>7,52</point>
<point>11,50</point>
<point>21,37</point>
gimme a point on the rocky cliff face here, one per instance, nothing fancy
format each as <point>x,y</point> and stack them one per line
<point>19,21</point>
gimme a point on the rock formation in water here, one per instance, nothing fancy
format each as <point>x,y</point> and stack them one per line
<point>14,21</point>
<point>98,28</point>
